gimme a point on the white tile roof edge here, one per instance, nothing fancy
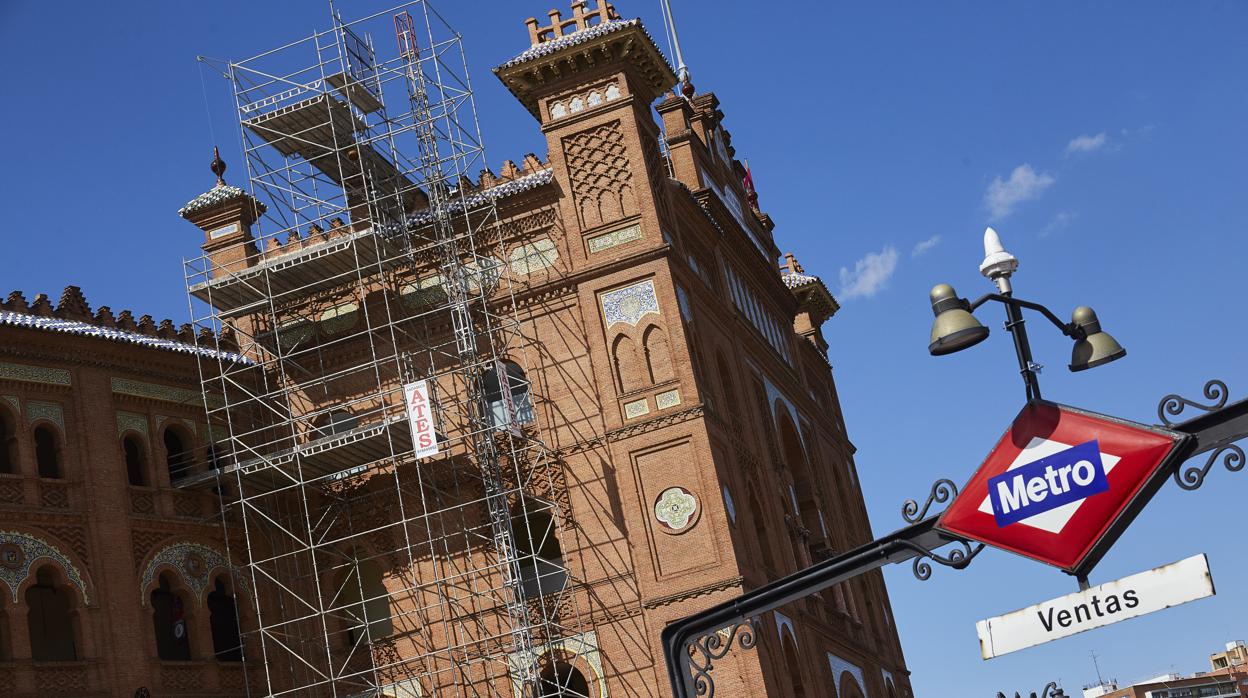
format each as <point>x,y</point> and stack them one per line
<point>86,329</point>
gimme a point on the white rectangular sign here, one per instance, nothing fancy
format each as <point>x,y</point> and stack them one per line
<point>509,401</point>
<point>1129,597</point>
<point>420,415</point>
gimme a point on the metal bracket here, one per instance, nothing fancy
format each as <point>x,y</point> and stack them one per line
<point>1217,439</point>
<point>706,649</point>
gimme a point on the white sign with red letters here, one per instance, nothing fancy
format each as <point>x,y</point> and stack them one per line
<point>420,415</point>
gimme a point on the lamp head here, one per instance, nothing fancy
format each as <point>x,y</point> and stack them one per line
<point>955,328</point>
<point>1094,346</point>
<point>998,265</point>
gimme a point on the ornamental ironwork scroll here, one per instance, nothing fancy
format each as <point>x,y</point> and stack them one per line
<point>1231,455</point>
<point>958,558</point>
<point>943,490</point>
<point>706,649</point>
<point>1173,405</point>
<point>1192,478</point>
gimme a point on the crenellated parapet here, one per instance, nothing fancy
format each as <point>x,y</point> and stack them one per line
<point>72,315</point>
<point>573,50</point>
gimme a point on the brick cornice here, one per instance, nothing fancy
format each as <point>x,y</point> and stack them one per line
<point>720,585</point>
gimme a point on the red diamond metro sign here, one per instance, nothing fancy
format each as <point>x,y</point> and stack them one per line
<point>1063,484</point>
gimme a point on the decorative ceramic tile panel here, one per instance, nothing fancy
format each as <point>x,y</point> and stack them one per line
<point>131,421</point>
<point>12,400</point>
<point>34,374</point>
<point>840,666</point>
<point>535,256</point>
<point>223,231</point>
<point>50,411</point>
<point>630,304</point>
<point>194,562</point>
<point>340,317</point>
<point>583,647</point>
<point>606,241</point>
<point>783,623</point>
<point>636,408</point>
<point>422,292</point>
<point>20,551</point>
<point>482,272</point>
<point>682,299</point>
<point>153,391</point>
<point>676,508</point>
<point>667,399</point>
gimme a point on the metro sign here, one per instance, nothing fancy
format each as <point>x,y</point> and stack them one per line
<point>1062,484</point>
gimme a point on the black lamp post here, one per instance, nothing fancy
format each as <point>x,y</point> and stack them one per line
<point>956,328</point>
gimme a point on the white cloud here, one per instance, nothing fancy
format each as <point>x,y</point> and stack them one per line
<point>870,274</point>
<point>1024,184</point>
<point>1060,221</point>
<point>1087,144</point>
<point>925,246</point>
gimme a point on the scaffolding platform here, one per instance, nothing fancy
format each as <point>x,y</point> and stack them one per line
<point>324,131</point>
<point>361,95</point>
<point>344,452</point>
<point>306,271</point>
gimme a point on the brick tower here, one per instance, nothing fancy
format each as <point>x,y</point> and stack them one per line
<point>632,395</point>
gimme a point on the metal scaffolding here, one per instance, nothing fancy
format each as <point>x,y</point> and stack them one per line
<point>375,265</point>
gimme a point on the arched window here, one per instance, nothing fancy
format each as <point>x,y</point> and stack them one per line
<point>336,422</point>
<point>760,529</point>
<point>628,367</point>
<point>562,680</point>
<point>136,462</point>
<point>367,604</point>
<point>6,652</point>
<point>47,451</point>
<point>521,398</point>
<point>215,455</point>
<point>792,667</point>
<point>8,443</point>
<point>177,454</point>
<point>731,406</point>
<point>542,569</point>
<point>169,621</point>
<point>658,355</point>
<point>227,644</point>
<point>49,619</point>
<point>805,491</point>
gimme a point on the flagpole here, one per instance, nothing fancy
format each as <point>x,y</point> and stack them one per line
<point>682,72</point>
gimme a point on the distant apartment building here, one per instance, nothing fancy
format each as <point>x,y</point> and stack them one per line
<point>1228,679</point>
<point>1236,655</point>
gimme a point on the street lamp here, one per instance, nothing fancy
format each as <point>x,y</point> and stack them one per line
<point>956,328</point>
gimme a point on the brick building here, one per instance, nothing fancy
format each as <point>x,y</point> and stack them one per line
<point>99,556</point>
<point>662,420</point>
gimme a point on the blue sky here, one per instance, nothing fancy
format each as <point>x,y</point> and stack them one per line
<point>1105,141</point>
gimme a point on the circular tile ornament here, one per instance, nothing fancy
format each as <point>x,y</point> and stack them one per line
<point>12,556</point>
<point>676,509</point>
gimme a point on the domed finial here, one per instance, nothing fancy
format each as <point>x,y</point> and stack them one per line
<point>998,265</point>
<point>218,165</point>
